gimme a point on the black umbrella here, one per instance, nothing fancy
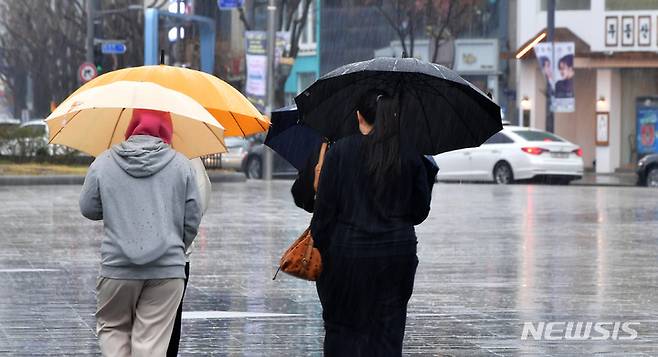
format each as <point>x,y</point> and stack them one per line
<point>440,111</point>
<point>291,139</point>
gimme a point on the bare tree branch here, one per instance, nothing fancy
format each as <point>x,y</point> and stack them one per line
<point>243,19</point>
<point>396,27</point>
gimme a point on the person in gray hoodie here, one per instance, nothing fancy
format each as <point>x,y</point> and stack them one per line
<point>146,195</point>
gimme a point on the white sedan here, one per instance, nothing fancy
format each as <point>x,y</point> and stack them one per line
<point>514,153</point>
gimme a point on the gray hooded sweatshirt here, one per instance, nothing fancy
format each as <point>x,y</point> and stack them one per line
<point>146,195</point>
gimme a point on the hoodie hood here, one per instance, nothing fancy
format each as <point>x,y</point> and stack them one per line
<point>142,155</point>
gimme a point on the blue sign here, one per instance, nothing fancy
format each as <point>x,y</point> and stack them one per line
<point>229,4</point>
<point>113,48</point>
<point>647,125</point>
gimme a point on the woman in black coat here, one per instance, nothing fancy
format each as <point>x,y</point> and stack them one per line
<point>373,190</point>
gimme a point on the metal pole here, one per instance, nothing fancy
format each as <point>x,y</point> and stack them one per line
<point>177,45</point>
<point>271,44</point>
<point>91,13</point>
<point>550,13</point>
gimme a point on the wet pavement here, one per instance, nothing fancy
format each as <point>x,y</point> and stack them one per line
<point>613,179</point>
<point>491,259</point>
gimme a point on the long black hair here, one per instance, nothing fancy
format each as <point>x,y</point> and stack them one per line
<point>382,145</point>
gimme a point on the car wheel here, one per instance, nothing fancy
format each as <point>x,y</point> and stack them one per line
<point>563,181</point>
<point>254,168</point>
<point>503,173</point>
<point>652,177</point>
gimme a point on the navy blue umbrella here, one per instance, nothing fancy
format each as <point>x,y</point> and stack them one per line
<point>290,138</point>
<point>431,167</point>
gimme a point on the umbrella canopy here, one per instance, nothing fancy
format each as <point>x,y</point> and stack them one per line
<point>231,109</point>
<point>291,139</point>
<point>431,167</point>
<point>440,111</point>
<point>94,120</point>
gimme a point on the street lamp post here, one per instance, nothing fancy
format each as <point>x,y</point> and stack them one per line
<point>271,44</point>
<point>550,13</point>
<point>91,14</point>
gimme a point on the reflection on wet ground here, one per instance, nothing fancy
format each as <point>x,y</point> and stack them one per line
<point>491,259</point>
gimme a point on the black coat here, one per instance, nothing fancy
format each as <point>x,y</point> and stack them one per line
<point>302,189</point>
<point>349,217</point>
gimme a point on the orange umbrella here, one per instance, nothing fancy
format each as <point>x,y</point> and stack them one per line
<point>95,119</point>
<point>226,104</point>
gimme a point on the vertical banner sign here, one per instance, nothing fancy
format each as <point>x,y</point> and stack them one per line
<point>559,74</point>
<point>256,61</point>
<point>282,45</point>
<point>647,122</point>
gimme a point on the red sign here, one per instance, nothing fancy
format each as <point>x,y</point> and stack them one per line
<point>86,72</point>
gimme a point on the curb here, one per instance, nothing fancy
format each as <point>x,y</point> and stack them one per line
<point>602,184</point>
<point>25,180</point>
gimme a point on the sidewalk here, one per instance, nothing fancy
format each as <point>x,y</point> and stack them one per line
<point>31,180</point>
<point>615,179</point>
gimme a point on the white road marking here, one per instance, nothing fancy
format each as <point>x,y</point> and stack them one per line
<point>26,270</point>
<point>194,315</point>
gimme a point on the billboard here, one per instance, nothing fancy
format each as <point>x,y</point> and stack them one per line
<point>558,69</point>
<point>256,63</point>
<point>646,110</point>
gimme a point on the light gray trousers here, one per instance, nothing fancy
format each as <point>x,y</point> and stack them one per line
<point>135,317</point>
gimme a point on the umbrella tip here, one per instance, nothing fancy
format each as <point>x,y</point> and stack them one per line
<point>162,57</point>
<point>404,54</point>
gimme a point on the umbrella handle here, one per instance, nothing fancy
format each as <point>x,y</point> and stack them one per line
<point>318,167</point>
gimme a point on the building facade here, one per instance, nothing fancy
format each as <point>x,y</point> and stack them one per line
<point>306,68</point>
<point>615,84</point>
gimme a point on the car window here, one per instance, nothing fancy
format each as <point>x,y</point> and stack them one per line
<point>536,135</point>
<point>35,130</point>
<point>499,138</point>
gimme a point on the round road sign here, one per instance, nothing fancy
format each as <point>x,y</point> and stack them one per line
<point>87,71</point>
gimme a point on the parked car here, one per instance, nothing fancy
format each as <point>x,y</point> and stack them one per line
<point>7,126</point>
<point>33,140</point>
<point>515,153</point>
<point>35,137</point>
<point>9,122</point>
<point>236,155</point>
<point>247,155</point>
<point>253,165</point>
<point>647,171</point>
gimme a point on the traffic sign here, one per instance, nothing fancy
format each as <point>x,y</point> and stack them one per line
<point>113,48</point>
<point>229,4</point>
<point>87,71</point>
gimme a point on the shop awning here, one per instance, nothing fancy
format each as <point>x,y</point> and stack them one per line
<point>562,34</point>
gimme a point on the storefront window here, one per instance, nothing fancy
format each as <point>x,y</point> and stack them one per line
<point>571,4</point>
<point>308,40</point>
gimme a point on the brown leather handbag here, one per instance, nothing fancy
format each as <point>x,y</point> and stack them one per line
<point>301,259</point>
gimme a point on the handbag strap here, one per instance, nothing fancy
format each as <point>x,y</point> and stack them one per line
<point>318,167</point>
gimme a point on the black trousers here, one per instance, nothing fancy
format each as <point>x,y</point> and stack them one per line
<point>364,303</point>
<point>174,342</point>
